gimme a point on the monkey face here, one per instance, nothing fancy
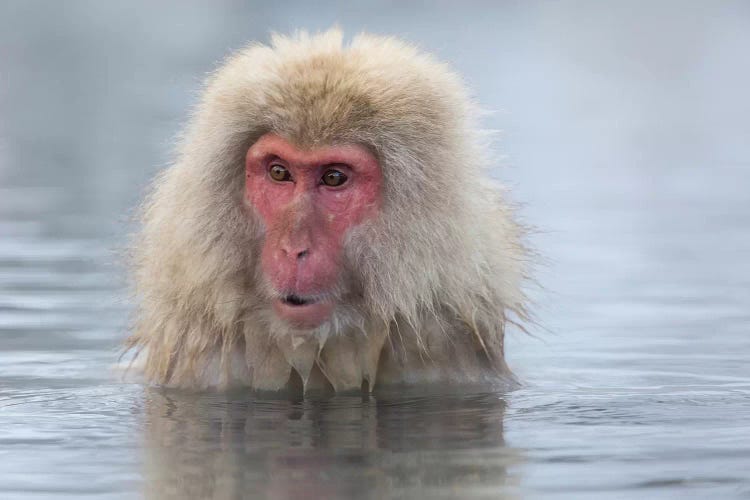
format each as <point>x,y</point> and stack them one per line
<point>308,199</point>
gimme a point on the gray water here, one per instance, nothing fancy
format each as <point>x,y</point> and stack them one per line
<point>626,135</point>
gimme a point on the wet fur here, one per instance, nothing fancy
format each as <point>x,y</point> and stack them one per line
<point>428,283</point>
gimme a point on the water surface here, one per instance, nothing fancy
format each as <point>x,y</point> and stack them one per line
<point>627,140</point>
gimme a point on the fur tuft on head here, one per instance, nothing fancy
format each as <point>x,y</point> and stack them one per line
<point>430,280</point>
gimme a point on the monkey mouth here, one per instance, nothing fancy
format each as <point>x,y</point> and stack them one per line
<point>303,311</point>
<point>296,300</point>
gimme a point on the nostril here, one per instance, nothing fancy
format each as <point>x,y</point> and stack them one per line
<point>290,252</point>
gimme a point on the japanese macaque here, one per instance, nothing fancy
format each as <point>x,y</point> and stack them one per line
<point>329,223</point>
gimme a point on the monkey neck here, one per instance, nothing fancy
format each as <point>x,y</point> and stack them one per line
<point>346,360</point>
<point>384,354</point>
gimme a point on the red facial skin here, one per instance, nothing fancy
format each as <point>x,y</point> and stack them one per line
<point>306,220</point>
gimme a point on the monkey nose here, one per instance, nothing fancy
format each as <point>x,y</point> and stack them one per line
<point>297,254</point>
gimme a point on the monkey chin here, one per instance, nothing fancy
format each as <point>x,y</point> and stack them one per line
<point>303,316</point>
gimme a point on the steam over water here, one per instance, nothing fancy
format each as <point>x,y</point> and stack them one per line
<point>626,137</point>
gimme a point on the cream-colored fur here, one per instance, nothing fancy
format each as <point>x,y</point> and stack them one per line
<point>428,284</point>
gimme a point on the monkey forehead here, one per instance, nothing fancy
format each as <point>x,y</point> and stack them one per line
<point>354,155</point>
<point>316,90</point>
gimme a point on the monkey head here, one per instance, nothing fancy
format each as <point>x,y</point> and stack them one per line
<point>330,192</point>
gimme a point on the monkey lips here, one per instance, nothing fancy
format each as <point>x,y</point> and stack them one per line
<point>307,200</point>
<point>303,312</point>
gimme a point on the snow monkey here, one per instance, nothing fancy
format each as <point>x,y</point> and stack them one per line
<point>328,223</point>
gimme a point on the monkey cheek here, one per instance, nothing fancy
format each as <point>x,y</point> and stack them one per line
<point>304,317</point>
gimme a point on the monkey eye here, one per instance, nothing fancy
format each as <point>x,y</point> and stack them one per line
<point>279,173</point>
<point>334,178</point>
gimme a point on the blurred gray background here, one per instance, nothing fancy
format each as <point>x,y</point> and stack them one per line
<point>625,137</point>
<point>635,103</point>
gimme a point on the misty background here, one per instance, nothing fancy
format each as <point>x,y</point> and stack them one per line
<point>624,135</point>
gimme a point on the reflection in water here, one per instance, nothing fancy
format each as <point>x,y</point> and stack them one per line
<point>227,446</point>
